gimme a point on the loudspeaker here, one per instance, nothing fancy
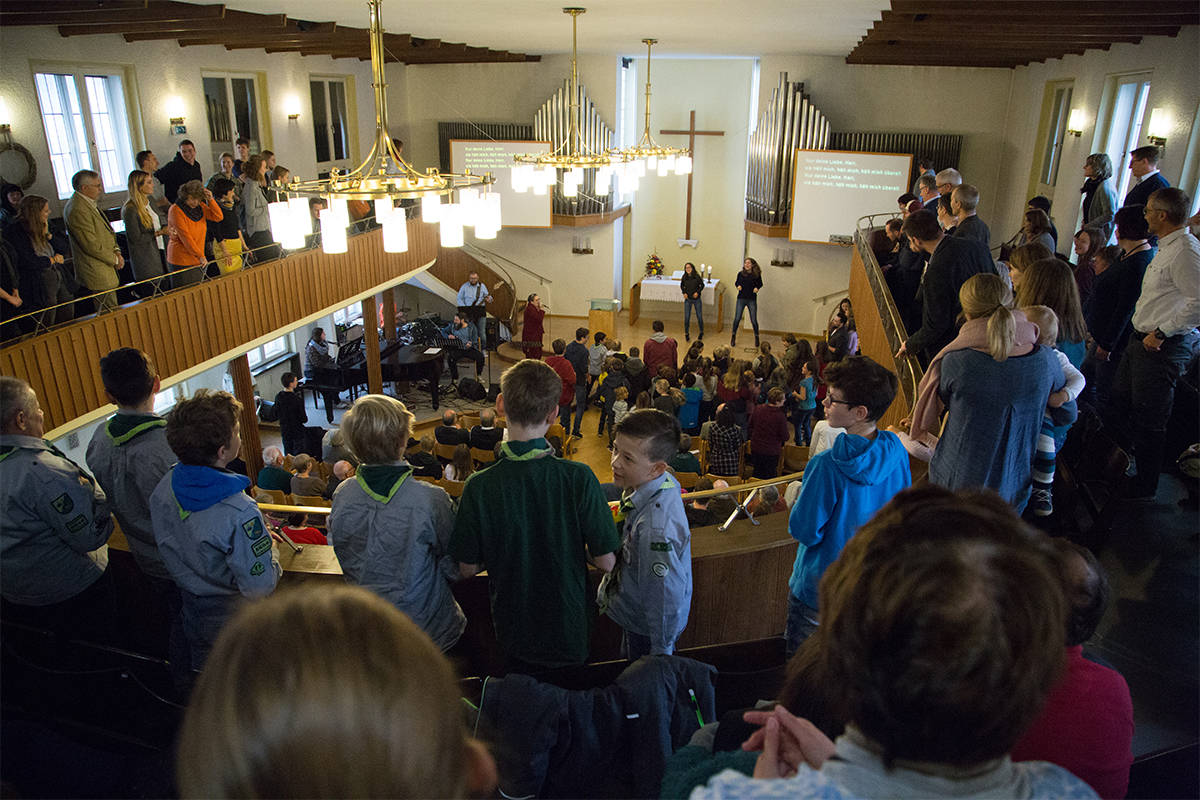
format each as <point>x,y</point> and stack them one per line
<point>471,389</point>
<point>493,393</point>
<point>493,333</point>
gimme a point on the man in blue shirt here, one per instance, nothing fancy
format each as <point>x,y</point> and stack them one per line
<point>472,304</point>
<point>464,331</point>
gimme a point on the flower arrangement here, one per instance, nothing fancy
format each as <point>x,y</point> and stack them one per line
<point>654,266</point>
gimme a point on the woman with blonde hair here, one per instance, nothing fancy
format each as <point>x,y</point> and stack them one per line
<point>328,691</point>
<point>144,233</point>
<point>1051,282</point>
<point>1025,257</point>
<point>1099,197</point>
<point>994,382</point>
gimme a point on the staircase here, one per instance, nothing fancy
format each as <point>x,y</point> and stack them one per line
<point>453,267</point>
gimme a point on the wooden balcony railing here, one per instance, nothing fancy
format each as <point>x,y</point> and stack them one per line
<point>210,322</point>
<point>880,329</point>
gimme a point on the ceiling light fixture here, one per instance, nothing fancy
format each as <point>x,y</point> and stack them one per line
<point>659,158</point>
<point>540,170</point>
<point>385,177</point>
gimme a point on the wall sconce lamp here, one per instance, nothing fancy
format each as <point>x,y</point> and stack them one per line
<point>1076,122</point>
<point>292,107</point>
<point>1160,124</point>
<point>175,115</point>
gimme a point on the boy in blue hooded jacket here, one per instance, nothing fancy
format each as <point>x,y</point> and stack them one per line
<point>844,486</point>
<point>212,537</point>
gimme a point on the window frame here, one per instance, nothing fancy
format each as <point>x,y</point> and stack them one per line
<point>1123,123</point>
<point>121,113</point>
<point>347,86</point>
<point>258,142</point>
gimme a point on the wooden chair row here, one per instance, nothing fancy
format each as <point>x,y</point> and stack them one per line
<point>282,498</point>
<point>792,458</point>
<point>324,471</point>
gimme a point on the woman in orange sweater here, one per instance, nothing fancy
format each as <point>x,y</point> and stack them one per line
<point>187,221</point>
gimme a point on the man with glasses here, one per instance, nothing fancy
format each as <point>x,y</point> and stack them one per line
<point>845,485</point>
<point>1163,341</point>
<point>93,243</point>
<point>1143,163</point>
<point>948,180</point>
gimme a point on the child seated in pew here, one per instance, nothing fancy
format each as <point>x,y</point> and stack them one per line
<point>328,691</point>
<point>300,532</point>
<point>390,531</point>
<point>650,594</point>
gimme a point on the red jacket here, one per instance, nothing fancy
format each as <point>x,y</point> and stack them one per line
<point>567,373</point>
<point>657,353</point>
<point>768,430</point>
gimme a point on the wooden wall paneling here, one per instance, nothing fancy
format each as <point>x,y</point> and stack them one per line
<point>82,347</point>
<point>144,335</point>
<point>193,332</point>
<point>67,368</point>
<point>371,334</point>
<point>48,390</point>
<point>216,329</point>
<point>167,336</point>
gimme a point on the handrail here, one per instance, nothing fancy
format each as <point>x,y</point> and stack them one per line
<point>893,325</point>
<point>832,294</point>
<point>159,289</point>
<point>706,494</point>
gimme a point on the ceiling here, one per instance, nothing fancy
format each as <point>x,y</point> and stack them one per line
<point>981,33</point>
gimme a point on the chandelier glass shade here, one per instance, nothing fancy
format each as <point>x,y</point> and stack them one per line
<point>656,157</point>
<point>382,179</point>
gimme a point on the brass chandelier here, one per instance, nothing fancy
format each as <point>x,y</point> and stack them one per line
<point>383,178</point>
<point>659,158</point>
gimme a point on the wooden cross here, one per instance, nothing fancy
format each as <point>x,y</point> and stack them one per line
<point>691,133</point>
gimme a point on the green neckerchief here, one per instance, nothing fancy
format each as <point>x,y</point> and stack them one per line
<point>124,428</point>
<point>526,450</point>
<point>626,504</point>
<point>382,481</point>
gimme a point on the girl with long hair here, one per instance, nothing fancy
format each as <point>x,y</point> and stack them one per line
<point>38,265</point>
<point>749,282</point>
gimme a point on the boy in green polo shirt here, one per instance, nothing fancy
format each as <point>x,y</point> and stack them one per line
<point>524,521</point>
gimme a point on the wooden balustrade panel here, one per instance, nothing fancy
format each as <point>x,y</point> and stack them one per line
<point>872,340</point>
<point>216,318</point>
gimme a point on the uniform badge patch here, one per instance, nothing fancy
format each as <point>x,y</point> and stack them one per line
<point>258,568</point>
<point>253,528</point>
<point>77,524</point>
<point>661,547</point>
<point>63,504</point>
<point>263,545</point>
<point>661,569</point>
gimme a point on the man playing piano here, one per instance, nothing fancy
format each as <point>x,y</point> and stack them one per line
<point>462,329</point>
<point>472,299</point>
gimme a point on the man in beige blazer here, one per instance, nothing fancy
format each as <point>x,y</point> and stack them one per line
<point>93,243</point>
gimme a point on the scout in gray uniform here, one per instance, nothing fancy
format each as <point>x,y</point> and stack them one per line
<point>212,538</point>
<point>129,455</point>
<point>53,541</point>
<point>390,532</point>
<point>653,592</point>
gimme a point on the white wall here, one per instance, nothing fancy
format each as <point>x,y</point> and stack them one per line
<point>163,70</point>
<point>719,91</point>
<point>1175,63</point>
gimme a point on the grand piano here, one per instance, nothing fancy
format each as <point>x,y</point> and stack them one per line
<point>400,360</point>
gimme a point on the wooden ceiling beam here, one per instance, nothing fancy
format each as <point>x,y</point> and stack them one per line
<point>1024,8</point>
<point>952,50</point>
<point>1010,27</point>
<point>43,8</point>
<point>159,12</point>
<point>1111,21</point>
<point>232,21</point>
<point>980,37</point>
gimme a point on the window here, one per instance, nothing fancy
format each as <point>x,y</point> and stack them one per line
<point>1124,126</point>
<point>1055,132</point>
<point>348,315</point>
<point>330,130</point>
<point>86,126</point>
<point>268,351</point>
<point>165,400</point>
<point>231,103</point>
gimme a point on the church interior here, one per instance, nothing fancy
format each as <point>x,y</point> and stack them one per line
<point>1013,94</point>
